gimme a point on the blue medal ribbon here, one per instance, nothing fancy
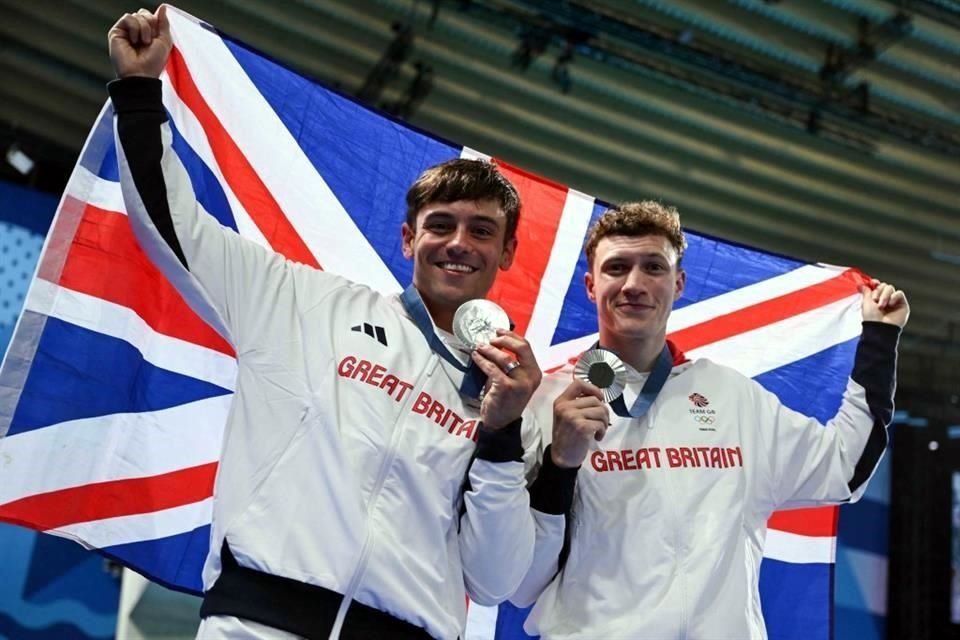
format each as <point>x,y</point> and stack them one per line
<point>651,388</point>
<point>473,378</point>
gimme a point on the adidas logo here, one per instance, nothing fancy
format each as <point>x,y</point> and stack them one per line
<point>377,333</point>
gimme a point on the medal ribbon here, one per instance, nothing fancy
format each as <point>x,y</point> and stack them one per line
<point>651,388</point>
<point>473,378</point>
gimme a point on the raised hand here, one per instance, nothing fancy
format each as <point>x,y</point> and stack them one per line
<point>885,303</point>
<point>512,377</point>
<point>140,43</point>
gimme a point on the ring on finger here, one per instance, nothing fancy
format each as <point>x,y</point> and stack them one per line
<point>510,366</point>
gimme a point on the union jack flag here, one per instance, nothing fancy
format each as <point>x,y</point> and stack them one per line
<point>114,394</point>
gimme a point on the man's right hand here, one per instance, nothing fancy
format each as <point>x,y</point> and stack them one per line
<point>579,416</point>
<point>140,43</point>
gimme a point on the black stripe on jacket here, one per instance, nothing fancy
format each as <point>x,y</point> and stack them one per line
<point>138,105</point>
<point>875,369</point>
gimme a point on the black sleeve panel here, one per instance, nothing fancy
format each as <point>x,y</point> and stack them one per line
<point>875,369</point>
<point>552,491</point>
<point>502,445</point>
<point>138,105</point>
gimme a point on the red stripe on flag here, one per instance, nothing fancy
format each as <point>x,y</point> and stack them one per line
<point>237,171</point>
<point>516,289</point>
<point>105,261</point>
<point>112,499</point>
<point>767,312</point>
<point>821,521</point>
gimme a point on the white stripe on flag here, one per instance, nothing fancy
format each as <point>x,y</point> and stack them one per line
<point>781,343</point>
<point>108,318</point>
<point>760,350</point>
<point>311,207</point>
<point>92,189</point>
<point>558,354</point>
<point>102,448</point>
<point>792,547</point>
<point>110,532</point>
<point>558,275</point>
<point>472,154</point>
<point>481,622</point>
<point>192,132</point>
<point>790,282</point>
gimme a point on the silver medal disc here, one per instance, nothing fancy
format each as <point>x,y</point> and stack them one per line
<point>476,322</point>
<point>604,370</point>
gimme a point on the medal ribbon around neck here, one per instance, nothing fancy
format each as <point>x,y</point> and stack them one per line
<point>651,388</point>
<point>473,378</point>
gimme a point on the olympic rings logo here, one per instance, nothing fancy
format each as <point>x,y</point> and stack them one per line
<point>702,419</point>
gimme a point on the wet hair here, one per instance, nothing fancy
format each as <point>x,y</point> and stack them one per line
<point>643,218</point>
<point>462,179</point>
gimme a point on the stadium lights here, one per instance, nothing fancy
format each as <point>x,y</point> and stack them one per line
<point>946,253</point>
<point>943,256</point>
<point>19,160</point>
<point>820,103</point>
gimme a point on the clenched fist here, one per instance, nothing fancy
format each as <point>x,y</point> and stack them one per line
<point>885,303</point>
<point>140,43</point>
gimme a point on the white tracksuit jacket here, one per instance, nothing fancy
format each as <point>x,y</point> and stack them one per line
<point>348,444</point>
<point>667,515</point>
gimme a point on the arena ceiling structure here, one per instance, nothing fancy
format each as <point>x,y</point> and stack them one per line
<point>827,130</point>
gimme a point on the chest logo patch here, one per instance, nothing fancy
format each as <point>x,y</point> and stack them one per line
<point>703,416</point>
<point>698,400</point>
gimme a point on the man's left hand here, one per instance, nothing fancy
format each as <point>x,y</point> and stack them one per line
<point>512,376</point>
<point>885,303</point>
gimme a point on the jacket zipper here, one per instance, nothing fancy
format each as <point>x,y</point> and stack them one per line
<point>382,474</point>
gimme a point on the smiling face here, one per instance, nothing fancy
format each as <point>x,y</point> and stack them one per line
<point>457,249</point>
<point>634,282</point>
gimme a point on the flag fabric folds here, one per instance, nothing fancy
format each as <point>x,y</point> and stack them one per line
<point>114,394</point>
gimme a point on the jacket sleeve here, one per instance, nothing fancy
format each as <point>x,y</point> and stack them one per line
<point>496,528</point>
<point>551,498</point>
<point>813,464</point>
<point>551,503</point>
<point>234,284</point>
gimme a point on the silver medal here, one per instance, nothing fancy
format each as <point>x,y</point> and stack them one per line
<point>604,370</point>
<point>476,322</point>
